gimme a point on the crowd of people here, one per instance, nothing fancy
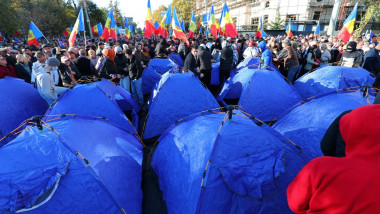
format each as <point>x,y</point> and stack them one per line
<point>53,68</point>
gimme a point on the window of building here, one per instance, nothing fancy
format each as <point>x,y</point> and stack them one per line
<point>267,4</point>
<point>319,0</point>
<point>265,19</point>
<point>317,15</point>
<point>255,21</point>
<point>291,17</point>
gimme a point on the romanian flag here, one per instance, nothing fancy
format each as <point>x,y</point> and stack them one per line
<point>289,30</point>
<point>78,26</point>
<point>34,34</point>
<point>100,29</point>
<point>149,27</point>
<point>95,30</point>
<point>200,22</point>
<point>165,20</point>
<point>113,30</point>
<point>227,23</point>
<point>260,29</point>
<point>177,32</point>
<point>193,26</point>
<point>107,27</point>
<point>68,30</point>
<point>349,25</point>
<point>317,30</point>
<point>212,22</point>
<point>128,32</point>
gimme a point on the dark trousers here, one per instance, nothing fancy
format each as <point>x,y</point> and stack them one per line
<point>223,76</point>
<point>206,80</point>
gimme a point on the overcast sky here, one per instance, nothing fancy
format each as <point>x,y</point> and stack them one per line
<point>135,8</point>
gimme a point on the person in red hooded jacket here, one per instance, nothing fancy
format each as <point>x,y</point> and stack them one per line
<point>344,185</point>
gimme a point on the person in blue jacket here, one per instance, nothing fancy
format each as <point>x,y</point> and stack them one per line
<point>266,56</point>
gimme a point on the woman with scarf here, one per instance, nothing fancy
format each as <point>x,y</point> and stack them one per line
<point>109,69</point>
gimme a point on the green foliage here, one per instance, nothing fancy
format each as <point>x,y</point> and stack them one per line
<point>156,15</point>
<point>183,8</point>
<point>278,23</point>
<point>376,8</point>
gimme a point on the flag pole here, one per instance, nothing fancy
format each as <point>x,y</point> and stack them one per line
<point>46,38</point>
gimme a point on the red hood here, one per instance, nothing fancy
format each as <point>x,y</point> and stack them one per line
<point>360,130</point>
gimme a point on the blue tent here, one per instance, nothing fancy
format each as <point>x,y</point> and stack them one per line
<point>215,73</point>
<point>208,163</point>
<point>267,95</point>
<point>332,78</point>
<point>97,99</point>
<point>152,74</point>
<point>18,101</point>
<point>251,62</point>
<point>73,165</point>
<point>176,58</point>
<point>306,124</point>
<point>176,96</point>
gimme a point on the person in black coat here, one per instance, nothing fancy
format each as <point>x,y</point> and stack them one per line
<point>135,74</point>
<point>83,64</point>
<point>68,75</point>
<point>190,61</point>
<point>109,68</point>
<point>372,60</point>
<point>226,61</point>
<point>204,61</point>
<point>23,69</point>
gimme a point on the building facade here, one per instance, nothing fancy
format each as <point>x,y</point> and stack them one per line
<point>303,14</point>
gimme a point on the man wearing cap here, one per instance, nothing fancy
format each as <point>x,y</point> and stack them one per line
<point>100,49</point>
<point>45,83</point>
<point>47,50</point>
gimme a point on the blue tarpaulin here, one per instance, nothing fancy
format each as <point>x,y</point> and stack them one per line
<point>89,167</point>
<point>209,164</point>
<point>176,96</point>
<point>331,78</point>
<point>18,101</point>
<point>152,74</point>
<point>267,95</point>
<point>176,58</point>
<point>96,99</point>
<point>306,123</point>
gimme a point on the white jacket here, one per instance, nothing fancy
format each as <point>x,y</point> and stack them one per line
<point>37,65</point>
<point>45,85</point>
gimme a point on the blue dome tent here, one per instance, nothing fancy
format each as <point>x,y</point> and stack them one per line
<point>176,58</point>
<point>306,124</point>
<point>252,62</point>
<point>97,99</point>
<point>152,74</point>
<point>72,165</point>
<point>332,78</point>
<point>177,95</point>
<point>267,95</point>
<point>213,163</point>
<point>18,101</point>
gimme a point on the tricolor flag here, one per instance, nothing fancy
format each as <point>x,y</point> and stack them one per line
<point>200,21</point>
<point>78,26</point>
<point>68,30</point>
<point>60,43</point>
<point>149,27</point>
<point>34,34</point>
<point>1,37</point>
<point>193,26</point>
<point>95,30</point>
<point>107,27</point>
<point>100,29</point>
<point>368,36</point>
<point>177,32</point>
<point>349,25</point>
<point>317,30</point>
<point>183,26</point>
<point>212,22</point>
<point>260,29</point>
<point>227,23</point>
<point>156,27</point>
<point>289,30</point>
<point>113,29</point>
<point>165,20</point>
<point>128,32</point>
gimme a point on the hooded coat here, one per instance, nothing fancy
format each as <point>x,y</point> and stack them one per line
<point>343,185</point>
<point>266,55</point>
